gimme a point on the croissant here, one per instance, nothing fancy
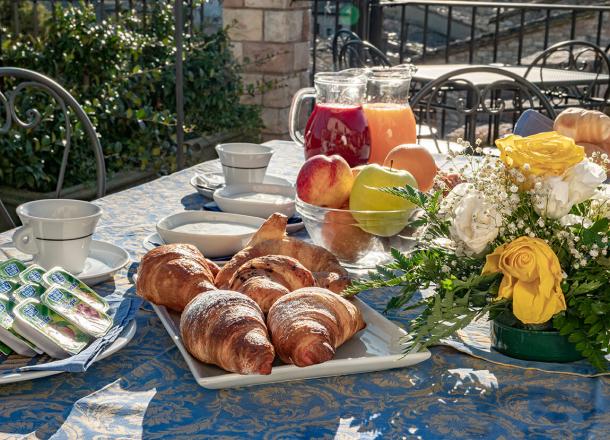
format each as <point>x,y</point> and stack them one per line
<point>589,128</point>
<point>265,279</point>
<point>173,274</point>
<point>271,239</point>
<point>308,324</point>
<point>227,329</point>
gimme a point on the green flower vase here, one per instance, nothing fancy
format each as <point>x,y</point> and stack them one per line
<point>532,345</point>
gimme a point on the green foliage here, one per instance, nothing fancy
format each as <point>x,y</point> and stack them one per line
<point>123,76</point>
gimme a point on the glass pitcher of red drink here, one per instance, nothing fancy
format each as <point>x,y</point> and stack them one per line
<point>337,124</point>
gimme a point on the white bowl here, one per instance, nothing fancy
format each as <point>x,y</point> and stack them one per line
<point>256,199</point>
<point>212,244</point>
<point>243,162</point>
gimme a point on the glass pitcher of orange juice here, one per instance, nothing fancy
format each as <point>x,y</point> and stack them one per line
<point>390,118</point>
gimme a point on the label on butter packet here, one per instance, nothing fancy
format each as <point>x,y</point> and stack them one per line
<point>52,325</point>
<point>27,291</point>
<point>78,312</point>
<point>10,269</point>
<point>7,319</point>
<point>69,282</point>
<point>33,274</point>
<point>7,287</point>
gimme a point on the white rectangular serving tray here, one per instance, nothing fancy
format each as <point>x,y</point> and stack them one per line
<point>375,348</point>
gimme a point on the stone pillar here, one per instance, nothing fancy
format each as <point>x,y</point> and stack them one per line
<point>271,39</point>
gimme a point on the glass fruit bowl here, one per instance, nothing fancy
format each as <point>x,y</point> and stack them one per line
<point>359,239</point>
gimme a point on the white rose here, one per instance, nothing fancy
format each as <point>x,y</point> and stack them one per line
<point>556,196</point>
<point>600,202</point>
<point>474,221</point>
<point>584,178</point>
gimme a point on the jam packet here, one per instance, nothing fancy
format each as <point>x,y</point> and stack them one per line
<point>10,269</point>
<point>49,330</point>
<point>69,282</point>
<point>7,287</point>
<point>33,274</point>
<point>27,291</point>
<point>5,350</point>
<point>80,313</point>
<point>8,334</point>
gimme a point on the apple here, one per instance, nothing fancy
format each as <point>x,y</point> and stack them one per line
<point>366,196</point>
<point>325,181</point>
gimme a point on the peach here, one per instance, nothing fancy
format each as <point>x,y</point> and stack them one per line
<point>342,236</point>
<point>416,160</point>
<point>325,181</point>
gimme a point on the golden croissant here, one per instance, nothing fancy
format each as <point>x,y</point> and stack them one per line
<point>308,325</point>
<point>589,128</point>
<point>227,329</point>
<point>265,279</point>
<point>271,239</point>
<point>173,274</point>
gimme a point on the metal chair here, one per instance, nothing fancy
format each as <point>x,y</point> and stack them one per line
<point>22,80</point>
<point>341,37</point>
<point>356,53</point>
<point>588,82</point>
<point>462,99</point>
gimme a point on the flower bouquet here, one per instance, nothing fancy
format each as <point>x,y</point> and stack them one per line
<point>522,237</point>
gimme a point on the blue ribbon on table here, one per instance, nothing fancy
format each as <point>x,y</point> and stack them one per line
<point>122,308</point>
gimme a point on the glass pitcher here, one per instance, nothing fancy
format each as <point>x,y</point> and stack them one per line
<point>337,124</point>
<point>390,118</point>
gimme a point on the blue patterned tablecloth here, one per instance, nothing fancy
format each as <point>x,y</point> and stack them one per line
<point>146,390</point>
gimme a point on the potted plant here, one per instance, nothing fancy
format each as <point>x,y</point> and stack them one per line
<point>523,238</point>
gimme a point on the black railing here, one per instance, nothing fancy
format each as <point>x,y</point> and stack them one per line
<point>468,31</point>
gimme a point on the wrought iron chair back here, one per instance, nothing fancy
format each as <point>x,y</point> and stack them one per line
<point>589,82</point>
<point>356,53</point>
<point>456,99</point>
<point>341,37</point>
<point>25,80</point>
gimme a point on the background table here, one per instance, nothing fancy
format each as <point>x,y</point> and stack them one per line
<point>539,75</point>
<point>147,391</point>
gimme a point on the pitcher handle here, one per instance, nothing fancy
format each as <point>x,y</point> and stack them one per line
<point>24,240</point>
<point>295,109</point>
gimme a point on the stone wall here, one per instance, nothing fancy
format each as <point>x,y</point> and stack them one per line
<point>271,39</point>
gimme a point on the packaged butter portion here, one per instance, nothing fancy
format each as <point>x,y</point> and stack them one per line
<point>27,291</point>
<point>33,274</point>
<point>77,311</point>
<point>49,330</point>
<point>7,287</point>
<point>8,335</point>
<point>69,282</point>
<point>10,269</point>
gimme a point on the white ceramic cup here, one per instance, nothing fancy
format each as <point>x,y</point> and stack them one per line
<point>243,162</point>
<point>57,232</point>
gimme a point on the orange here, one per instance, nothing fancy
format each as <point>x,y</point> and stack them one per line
<point>416,160</point>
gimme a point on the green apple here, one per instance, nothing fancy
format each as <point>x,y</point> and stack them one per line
<point>365,196</point>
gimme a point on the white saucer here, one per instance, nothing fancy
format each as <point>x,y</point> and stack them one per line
<point>105,259</point>
<point>207,183</point>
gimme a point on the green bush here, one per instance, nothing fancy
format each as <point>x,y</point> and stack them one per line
<point>123,76</point>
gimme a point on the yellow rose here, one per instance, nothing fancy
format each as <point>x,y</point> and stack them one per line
<point>547,154</point>
<point>532,278</point>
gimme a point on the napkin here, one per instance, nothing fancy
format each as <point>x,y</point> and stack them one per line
<point>532,122</point>
<point>122,308</point>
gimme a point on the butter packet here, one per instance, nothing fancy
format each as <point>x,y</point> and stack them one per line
<point>49,330</point>
<point>77,311</point>
<point>7,287</point>
<point>33,274</point>
<point>8,334</point>
<point>69,282</point>
<point>10,269</point>
<point>27,291</point>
